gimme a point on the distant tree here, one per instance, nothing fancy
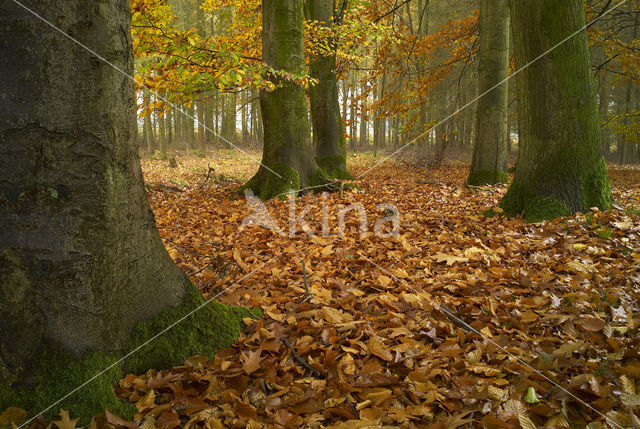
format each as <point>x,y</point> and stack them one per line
<point>288,163</point>
<point>560,167</point>
<point>84,276</point>
<point>489,163</point>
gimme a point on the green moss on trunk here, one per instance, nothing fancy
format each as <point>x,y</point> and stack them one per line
<point>486,177</point>
<point>334,166</point>
<point>266,184</point>
<point>596,189</point>
<point>212,327</point>
<point>60,373</point>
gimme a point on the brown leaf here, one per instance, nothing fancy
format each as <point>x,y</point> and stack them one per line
<point>251,361</point>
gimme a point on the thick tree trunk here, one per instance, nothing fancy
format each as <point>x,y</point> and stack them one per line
<point>84,277</point>
<point>287,158</point>
<point>560,168</point>
<point>328,129</point>
<point>489,164</point>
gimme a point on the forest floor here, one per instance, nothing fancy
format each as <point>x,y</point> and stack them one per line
<point>459,320</point>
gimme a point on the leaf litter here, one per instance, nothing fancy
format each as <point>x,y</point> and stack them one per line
<point>460,320</point>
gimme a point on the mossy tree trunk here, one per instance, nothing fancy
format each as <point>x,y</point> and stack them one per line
<point>328,129</point>
<point>84,276</point>
<point>287,158</point>
<point>489,163</point>
<point>560,168</point>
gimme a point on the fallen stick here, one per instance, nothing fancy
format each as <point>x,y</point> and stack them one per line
<point>302,361</point>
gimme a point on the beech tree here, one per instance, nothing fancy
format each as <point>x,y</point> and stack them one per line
<point>287,158</point>
<point>560,168</point>
<point>489,163</point>
<point>328,129</point>
<point>84,276</point>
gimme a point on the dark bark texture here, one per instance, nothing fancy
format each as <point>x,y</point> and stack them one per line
<point>82,267</point>
<point>287,152</point>
<point>489,164</point>
<point>328,129</point>
<point>560,168</point>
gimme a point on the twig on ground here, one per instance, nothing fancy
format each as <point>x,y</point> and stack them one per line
<point>302,361</point>
<point>208,175</point>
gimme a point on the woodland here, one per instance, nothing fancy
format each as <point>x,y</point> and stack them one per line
<point>319,214</point>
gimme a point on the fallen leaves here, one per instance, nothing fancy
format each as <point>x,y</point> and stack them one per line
<point>459,320</point>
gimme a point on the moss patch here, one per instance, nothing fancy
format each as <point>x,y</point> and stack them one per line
<point>539,209</point>
<point>486,177</point>
<point>59,374</point>
<point>335,166</point>
<point>266,184</point>
<point>515,199</point>
<point>212,327</point>
<point>596,189</point>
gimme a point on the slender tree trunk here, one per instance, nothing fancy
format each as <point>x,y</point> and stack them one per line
<point>148,131</point>
<point>177,125</point>
<point>169,125</point>
<point>603,112</point>
<point>190,136</point>
<point>489,163</point>
<point>328,129</point>
<point>201,131</point>
<point>287,158</point>
<point>560,168</point>
<point>162,136</point>
<point>84,276</point>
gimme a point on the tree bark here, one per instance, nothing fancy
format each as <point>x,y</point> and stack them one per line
<point>489,163</point>
<point>328,129</point>
<point>162,136</point>
<point>287,158</point>
<point>148,129</point>
<point>560,168</point>
<point>84,276</point>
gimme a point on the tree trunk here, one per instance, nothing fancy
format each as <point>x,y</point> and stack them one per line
<point>148,129</point>
<point>201,132</point>
<point>162,135</point>
<point>190,136</point>
<point>328,129</point>
<point>560,168</point>
<point>287,158</point>
<point>489,163</point>
<point>169,126</point>
<point>84,276</point>
<point>603,112</point>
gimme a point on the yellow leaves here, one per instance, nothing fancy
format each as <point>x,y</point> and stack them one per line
<point>374,334</point>
<point>146,402</point>
<point>377,347</point>
<point>65,422</point>
<point>570,347</point>
<point>384,281</point>
<point>450,259</point>
<point>377,395</point>
<point>333,315</point>
<point>12,415</point>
